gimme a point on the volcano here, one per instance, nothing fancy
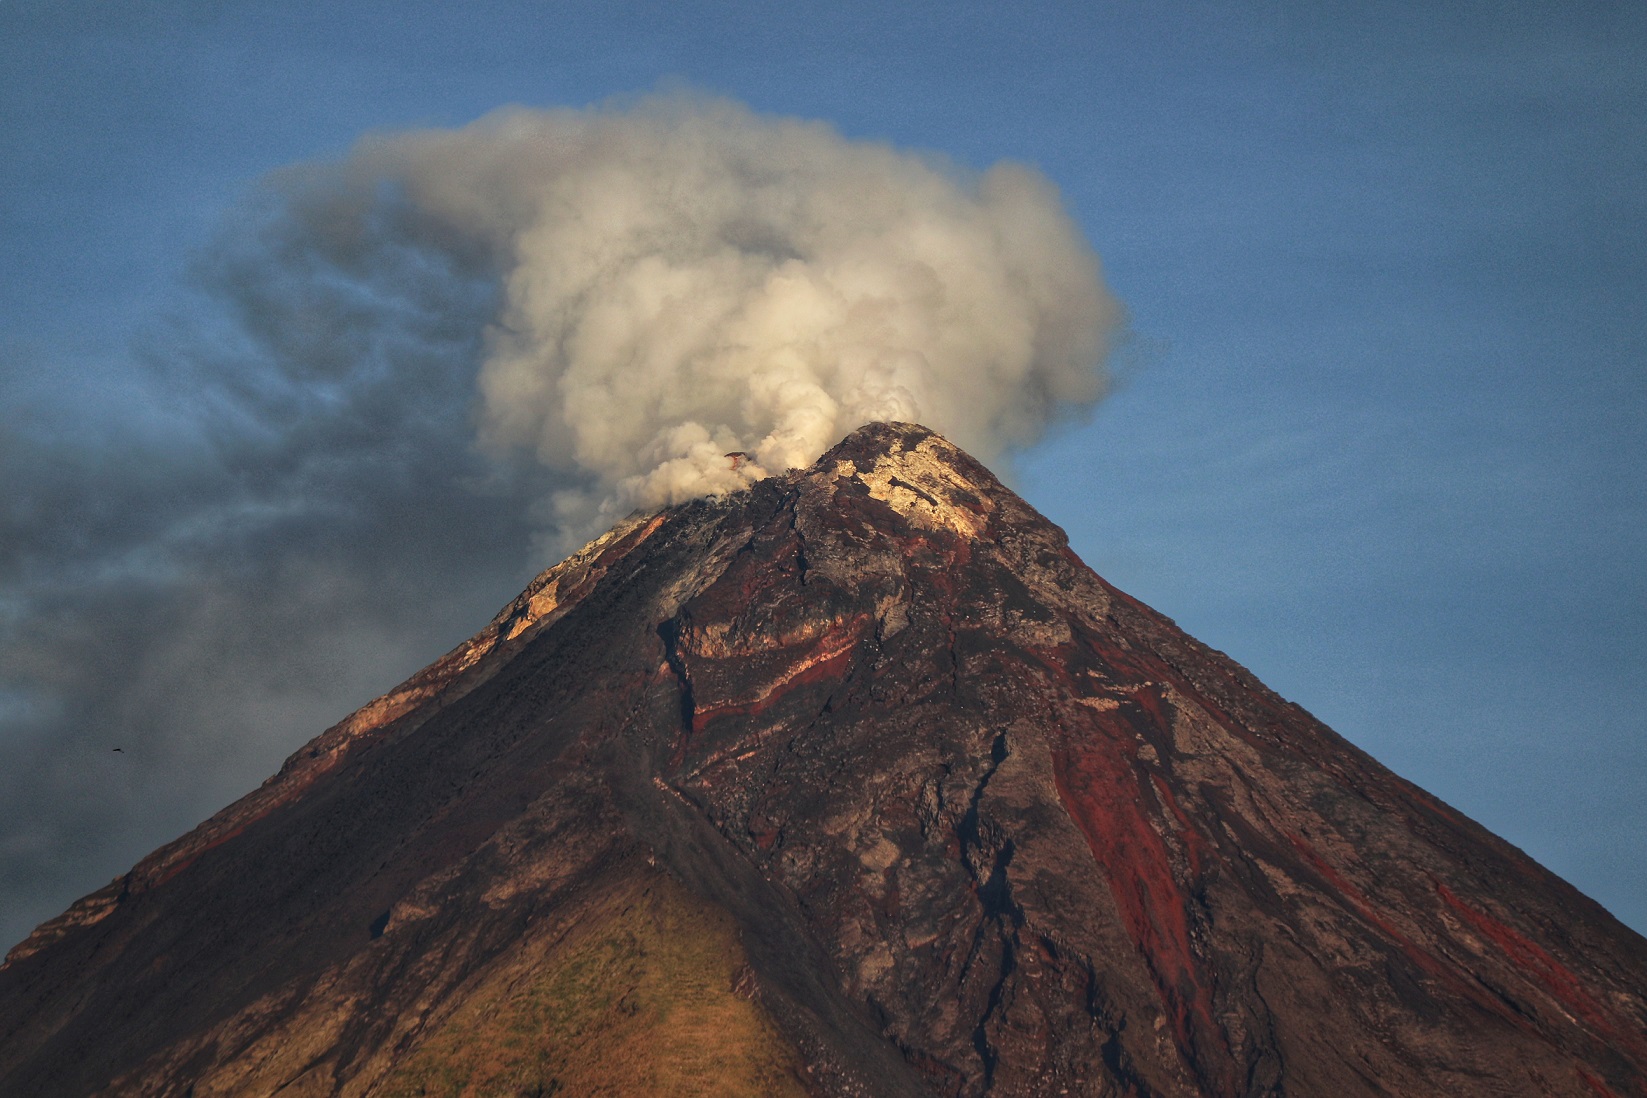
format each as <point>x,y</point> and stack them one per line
<point>856,782</point>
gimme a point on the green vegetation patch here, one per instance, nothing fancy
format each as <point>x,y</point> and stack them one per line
<point>637,1000</point>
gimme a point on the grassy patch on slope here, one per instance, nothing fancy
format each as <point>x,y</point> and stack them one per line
<point>637,1000</point>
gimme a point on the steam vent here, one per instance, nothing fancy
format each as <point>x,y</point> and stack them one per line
<point>856,782</point>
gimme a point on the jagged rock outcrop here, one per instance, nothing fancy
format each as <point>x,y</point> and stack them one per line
<point>855,782</point>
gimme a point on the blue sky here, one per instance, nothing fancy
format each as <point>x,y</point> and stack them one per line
<point>1378,433</point>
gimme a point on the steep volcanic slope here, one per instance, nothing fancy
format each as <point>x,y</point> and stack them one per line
<point>857,782</point>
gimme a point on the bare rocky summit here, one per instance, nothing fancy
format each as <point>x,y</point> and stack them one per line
<point>857,782</point>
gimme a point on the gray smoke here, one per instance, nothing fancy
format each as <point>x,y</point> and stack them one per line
<point>414,374</point>
<point>685,278</point>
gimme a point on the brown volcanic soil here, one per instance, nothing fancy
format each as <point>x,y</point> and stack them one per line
<point>857,782</point>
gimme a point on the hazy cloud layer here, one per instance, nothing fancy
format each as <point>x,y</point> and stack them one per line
<point>404,366</point>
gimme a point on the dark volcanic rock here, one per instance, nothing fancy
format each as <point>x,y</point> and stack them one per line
<point>857,782</point>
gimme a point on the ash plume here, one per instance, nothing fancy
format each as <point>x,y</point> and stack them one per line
<point>684,278</point>
<point>409,377</point>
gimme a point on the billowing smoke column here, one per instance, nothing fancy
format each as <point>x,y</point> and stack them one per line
<point>684,278</point>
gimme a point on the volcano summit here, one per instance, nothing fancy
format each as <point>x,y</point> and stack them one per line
<point>854,782</point>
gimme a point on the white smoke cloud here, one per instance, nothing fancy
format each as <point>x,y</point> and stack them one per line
<point>682,278</point>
